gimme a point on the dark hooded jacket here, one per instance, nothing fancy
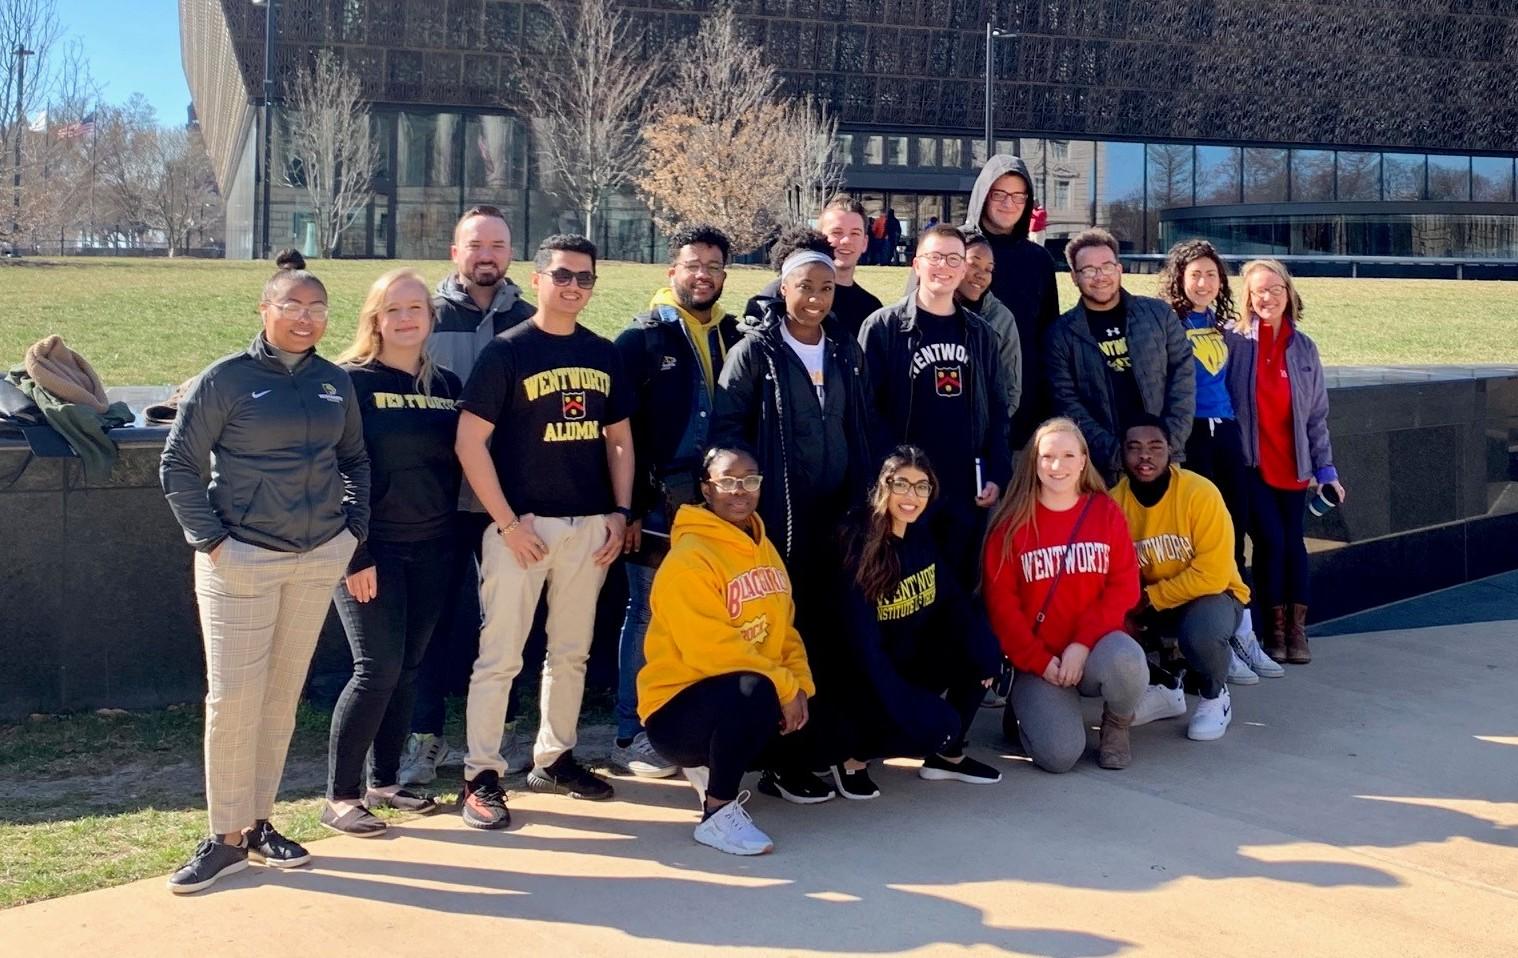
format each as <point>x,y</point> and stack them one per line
<point>817,461</point>
<point>1023,282</point>
<point>463,329</point>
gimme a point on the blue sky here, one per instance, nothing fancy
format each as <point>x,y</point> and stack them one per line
<point>132,47</point>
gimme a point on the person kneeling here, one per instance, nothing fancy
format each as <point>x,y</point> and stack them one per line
<point>726,687</point>
<point>1192,588</point>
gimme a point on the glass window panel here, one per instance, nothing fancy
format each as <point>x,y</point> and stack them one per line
<point>929,209</point>
<point>1359,176</point>
<point>1217,175</point>
<point>874,150</point>
<point>494,153</point>
<point>1402,176</point>
<point>1492,179</point>
<point>429,149</point>
<point>953,152</point>
<point>1059,151</point>
<point>896,151</point>
<point>1120,192</point>
<point>1312,175</point>
<point>927,151</point>
<point>1062,196</point>
<point>977,152</point>
<point>1264,176</point>
<point>846,148</point>
<point>1449,177</point>
<point>381,127</point>
<point>1006,147</point>
<point>1169,174</point>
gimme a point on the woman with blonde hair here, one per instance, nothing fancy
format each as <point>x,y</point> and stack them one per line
<point>1060,576</point>
<point>397,582</point>
<point>1275,378</point>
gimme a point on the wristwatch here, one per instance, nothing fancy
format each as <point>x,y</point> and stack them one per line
<point>624,512</point>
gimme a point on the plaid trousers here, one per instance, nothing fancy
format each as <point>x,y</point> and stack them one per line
<point>261,613</point>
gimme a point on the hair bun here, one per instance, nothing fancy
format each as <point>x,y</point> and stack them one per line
<point>290,259</point>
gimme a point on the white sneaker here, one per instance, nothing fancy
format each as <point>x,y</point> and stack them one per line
<point>729,829</point>
<point>1159,702</point>
<point>420,758</point>
<point>1239,672</point>
<point>1211,718</point>
<point>642,759</point>
<point>1247,648</point>
<point>698,776</point>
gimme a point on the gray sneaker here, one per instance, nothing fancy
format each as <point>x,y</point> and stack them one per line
<point>1247,648</point>
<point>420,758</point>
<point>1239,672</point>
<point>641,758</point>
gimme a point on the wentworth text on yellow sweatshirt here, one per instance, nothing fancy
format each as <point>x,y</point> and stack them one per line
<point>1184,542</point>
<point>721,603</point>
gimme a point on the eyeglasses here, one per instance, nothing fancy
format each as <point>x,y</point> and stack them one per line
<point>922,488</point>
<point>711,269</point>
<point>731,484</point>
<point>1092,272</point>
<point>955,260</point>
<point>1000,197</point>
<point>1271,291</point>
<point>584,279</point>
<point>290,310</point>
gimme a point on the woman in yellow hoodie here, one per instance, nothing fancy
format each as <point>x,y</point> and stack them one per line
<point>726,683</point>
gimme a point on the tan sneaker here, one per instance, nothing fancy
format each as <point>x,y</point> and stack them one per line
<point>1113,750</point>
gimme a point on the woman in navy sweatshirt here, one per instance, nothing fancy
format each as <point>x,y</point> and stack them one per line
<point>914,634</point>
<point>397,582</point>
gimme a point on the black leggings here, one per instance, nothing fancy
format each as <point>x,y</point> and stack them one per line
<point>731,724</point>
<point>1215,449</point>
<point>1280,552</point>
<point>389,636</point>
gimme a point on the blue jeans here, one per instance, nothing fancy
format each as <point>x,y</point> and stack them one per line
<point>640,582</point>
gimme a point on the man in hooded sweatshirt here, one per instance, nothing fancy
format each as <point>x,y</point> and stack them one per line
<point>1001,207</point>
<point>474,304</point>
<point>672,355</point>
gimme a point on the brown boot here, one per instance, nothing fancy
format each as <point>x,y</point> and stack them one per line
<point>1297,652</point>
<point>1113,750</point>
<point>1275,639</point>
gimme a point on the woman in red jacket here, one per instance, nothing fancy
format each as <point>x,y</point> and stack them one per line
<point>1060,577</point>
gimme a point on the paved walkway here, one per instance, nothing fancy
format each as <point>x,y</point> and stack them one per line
<point>1364,805</point>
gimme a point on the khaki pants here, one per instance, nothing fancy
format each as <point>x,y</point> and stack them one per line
<point>261,612</point>
<point>509,596</point>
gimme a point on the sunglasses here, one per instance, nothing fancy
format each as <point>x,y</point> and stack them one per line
<point>584,279</point>
<point>731,484</point>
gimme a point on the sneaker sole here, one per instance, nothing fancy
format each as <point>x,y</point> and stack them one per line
<point>838,786</point>
<point>279,862</point>
<point>1274,673</point>
<point>944,775</point>
<point>648,771</point>
<point>339,831</point>
<point>1241,680</point>
<point>745,852</point>
<point>553,788</point>
<point>231,869</point>
<point>775,791</point>
<point>486,826</point>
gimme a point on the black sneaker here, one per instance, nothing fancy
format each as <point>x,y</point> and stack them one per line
<point>855,785</point>
<point>798,788</point>
<point>483,804</point>
<point>213,859</point>
<point>274,849</point>
<point>936,768</point>
<point>568,777</point>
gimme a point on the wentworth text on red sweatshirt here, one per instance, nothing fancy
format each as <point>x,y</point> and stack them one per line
<point>1100,583</point>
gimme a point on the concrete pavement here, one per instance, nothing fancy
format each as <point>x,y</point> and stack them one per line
<point>1366,804</point>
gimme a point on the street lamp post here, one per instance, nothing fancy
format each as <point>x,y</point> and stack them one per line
<point>267,172</point>
<point>992,35</point>
<point>21,53</point>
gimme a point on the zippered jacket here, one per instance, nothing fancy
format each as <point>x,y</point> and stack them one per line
<point>1309,400</point>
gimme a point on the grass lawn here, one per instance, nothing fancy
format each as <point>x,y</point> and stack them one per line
<point>159,321</point>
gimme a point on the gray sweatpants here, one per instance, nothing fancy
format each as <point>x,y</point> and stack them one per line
<point>1049,720</point>
<point>1204,627</point>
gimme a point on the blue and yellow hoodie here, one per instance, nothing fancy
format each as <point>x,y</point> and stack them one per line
<point>721,603</point>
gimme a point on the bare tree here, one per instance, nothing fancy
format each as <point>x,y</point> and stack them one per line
<point>590,102</point>
<point>32,26</point>
<point>809,135</point>
<point>333,153</point>
<point>176,197</point>
<point>126,167</point>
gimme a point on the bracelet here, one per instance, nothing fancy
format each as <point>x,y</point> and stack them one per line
<point>508,530</point>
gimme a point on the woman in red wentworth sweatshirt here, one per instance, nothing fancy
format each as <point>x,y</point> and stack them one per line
<point>1060,577</point>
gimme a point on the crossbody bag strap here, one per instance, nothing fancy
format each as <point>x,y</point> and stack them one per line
<point>1064,560</point>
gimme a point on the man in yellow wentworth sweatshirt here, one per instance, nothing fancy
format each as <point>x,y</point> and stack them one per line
<point>1192,589</point>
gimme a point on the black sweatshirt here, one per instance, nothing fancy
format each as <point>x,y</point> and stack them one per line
<point>409,435</point>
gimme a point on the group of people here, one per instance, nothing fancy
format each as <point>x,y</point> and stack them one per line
<point>844,525</point>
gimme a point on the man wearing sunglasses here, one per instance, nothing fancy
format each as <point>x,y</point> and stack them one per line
<point>936,374</point>
<point>1116,357</point>
<point>672,355</point>
<point>546,444</point>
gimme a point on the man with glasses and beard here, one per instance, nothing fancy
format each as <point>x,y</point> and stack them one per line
<point>474,304</point>
<point>672,355</point>
<point>1116,357</point>
<point>546,445</point>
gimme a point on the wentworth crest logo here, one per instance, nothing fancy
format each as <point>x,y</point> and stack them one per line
<point>574,405</point>
<point>949,380</point>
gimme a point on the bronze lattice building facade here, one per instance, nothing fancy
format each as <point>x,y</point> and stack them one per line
<point>1358,127</point>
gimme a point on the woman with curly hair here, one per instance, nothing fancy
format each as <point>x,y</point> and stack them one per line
<point>1194,281</point>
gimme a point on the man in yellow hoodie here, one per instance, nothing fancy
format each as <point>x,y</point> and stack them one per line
<point>1192,589</point>
<point>726,685</point>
